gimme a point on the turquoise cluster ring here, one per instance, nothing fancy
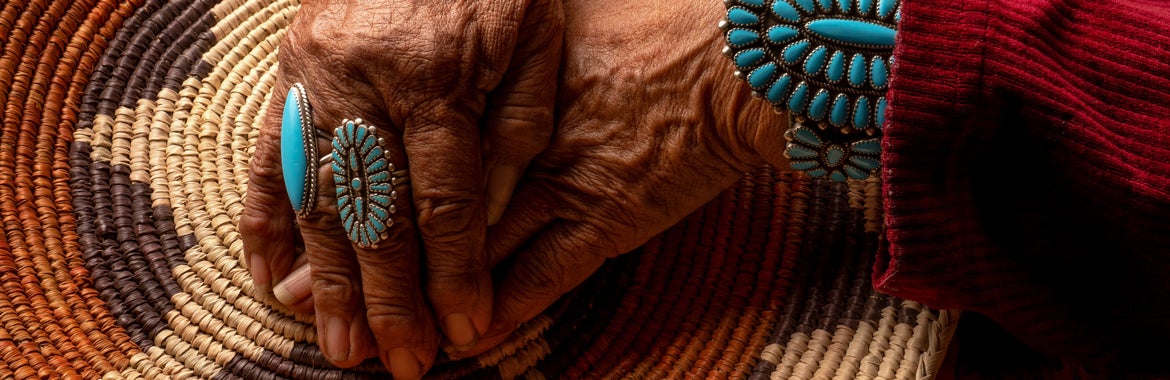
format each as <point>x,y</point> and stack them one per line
<point>826,62</point>
<point>365,179</point>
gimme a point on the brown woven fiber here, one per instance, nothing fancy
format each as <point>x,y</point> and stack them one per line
<point>127,131</point>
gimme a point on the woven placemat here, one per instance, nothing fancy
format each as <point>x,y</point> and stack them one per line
<point>127,131</point>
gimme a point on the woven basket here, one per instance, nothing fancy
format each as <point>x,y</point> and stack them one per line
<point>124,150</point>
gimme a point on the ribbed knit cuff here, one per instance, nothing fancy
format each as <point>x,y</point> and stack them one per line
<point>935,90</point>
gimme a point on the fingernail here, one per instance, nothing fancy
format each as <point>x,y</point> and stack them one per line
<point>261,276</point>
<point>501,182</point>
<point>403,364</point>
<point>460,330</point>
<point>295,288</point>
<point>336,339</point>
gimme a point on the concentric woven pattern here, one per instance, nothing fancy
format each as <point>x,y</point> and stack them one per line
<point>124,151</point>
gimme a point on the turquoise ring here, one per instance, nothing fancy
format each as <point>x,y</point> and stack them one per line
<point>828,64</point>
<point>365,179</point>
<point>298,148</point>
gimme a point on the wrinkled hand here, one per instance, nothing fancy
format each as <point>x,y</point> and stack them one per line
<point>462,92</point>
<point>653,125</point>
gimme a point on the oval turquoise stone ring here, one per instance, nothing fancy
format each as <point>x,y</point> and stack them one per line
<point>298,151</point>
<point>826,62</point>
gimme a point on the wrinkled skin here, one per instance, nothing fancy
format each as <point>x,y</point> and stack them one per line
<point>651,126</point>
<point>462,92</point>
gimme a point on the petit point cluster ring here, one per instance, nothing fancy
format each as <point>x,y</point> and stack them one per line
<point>826,62</point>
<point>365,179</point>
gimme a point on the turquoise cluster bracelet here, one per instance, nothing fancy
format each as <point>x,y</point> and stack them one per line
<point>826,62</point>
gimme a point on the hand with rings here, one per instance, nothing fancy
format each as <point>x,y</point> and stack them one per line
<point>395,135</point>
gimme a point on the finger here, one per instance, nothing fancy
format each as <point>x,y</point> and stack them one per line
<point>556,261</point>
<point>296,290</point>
<point>374,206</point>
<point>342,329</point>
<point>266,226</point>
<point>528,216</point>
<point>446,179</point>
<point>388,302</point>
<point>520,110</point>
<point>390,305</point>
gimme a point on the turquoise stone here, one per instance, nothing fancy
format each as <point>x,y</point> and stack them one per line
<point>376,166</point>
<point>880,112</point>
<point>826,4</point>
<point>866,163</point>
<point>833,155</point>
<point>855,173</point>
<point>796,103</point>
<point>868,146</point>
<point>884,8</point>
<point>780,34</point>
<point>381,213</point>
<point>382,187</point>
<point>805,5</point>
<point>779,89</point>
<point>793,52</point>
<point>815,61</point>
<point>840,110</point>
<point>836,66</point>
<point>784,10</point>
<point>807,136</point>
<point>837,176</point>
<point>741,37</point>
<point>377,224</point>
<point>864,6</point>
<point>381,176</point>
<point>749,58</point>
<point>857,71</point>
<point>819,106</point>
<point>741,16</point>
<point>761,76</point>
<point>854,32</point>
<point>803,165</point>
<point>879,73</point>
<point>293,160</point>
<point>753,3</point>
<point>861,113</point>
<point>817,173</point>
<point>797,151</point>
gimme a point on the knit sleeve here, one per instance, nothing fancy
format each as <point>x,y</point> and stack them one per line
<point>1027,162</point>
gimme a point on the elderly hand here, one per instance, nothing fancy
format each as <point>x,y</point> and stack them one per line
<point>461,92</point>
<point>652,125</point>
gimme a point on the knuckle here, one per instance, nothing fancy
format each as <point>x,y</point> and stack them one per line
<point>333,291</point>
<point>454,275</point>
<point>390,312</point>
<point>254,222</point>
<point>543,281</point>
<point>445,215</point>
<point>260,216</point>
<point>597,243</point>
<point>265,165</point>
<point>529,122</point>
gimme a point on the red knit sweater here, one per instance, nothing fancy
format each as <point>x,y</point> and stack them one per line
<point>1027,171</point>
